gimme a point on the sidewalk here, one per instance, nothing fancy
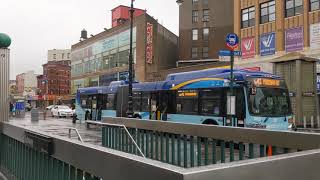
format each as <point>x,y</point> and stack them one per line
<point>60,127</point>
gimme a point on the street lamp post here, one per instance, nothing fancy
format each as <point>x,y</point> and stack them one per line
<point>130,103</point>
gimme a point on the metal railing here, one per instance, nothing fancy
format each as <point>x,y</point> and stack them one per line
<point>74,160</point>
<point>191,145</point>
<point>117,126</point>
<point>77,132</point>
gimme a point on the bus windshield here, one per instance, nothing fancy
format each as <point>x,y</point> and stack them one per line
<point>269,102</point>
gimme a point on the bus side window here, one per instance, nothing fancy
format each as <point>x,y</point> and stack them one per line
<point>136,101</point>
<point>240,103</point>
<point>145,102</point>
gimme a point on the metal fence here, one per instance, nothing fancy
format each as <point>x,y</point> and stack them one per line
<point>27,163</point>
<point>190,145</point>
<point>71,159</point>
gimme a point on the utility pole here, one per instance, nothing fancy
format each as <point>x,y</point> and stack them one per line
<point>130,103</point>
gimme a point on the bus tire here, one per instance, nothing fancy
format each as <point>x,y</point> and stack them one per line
<point>210,122</point>
<point>137,116</point>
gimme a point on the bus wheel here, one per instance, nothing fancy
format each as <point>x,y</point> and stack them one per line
<point>210,122</point>
<point>137,116</point>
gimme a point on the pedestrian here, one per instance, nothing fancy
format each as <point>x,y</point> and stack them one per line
<point>11,109</point>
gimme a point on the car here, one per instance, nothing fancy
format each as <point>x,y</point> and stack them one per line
<point>62,111</point>
<point>50,107</point>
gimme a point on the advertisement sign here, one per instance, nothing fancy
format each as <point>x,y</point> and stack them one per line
<point>315,36</point>
<point>149,50</point>
<point>248,47</point>
<point>294,39</point>
<point>268,44</point>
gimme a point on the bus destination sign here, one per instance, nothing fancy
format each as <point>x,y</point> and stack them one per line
<point>266,82</point>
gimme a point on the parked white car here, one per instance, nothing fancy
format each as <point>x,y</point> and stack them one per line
<point>62,111</point>
<point>50,107</point>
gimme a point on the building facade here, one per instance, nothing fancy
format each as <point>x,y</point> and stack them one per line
<point>203,26</point>
<point>59,55</point>
<point>103,58</point>
<point>282,29</point>
<point>55,83</point>
<point>272,28</point>
<point>27,84</point>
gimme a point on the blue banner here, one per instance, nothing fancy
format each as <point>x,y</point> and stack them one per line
<point>268,44</point>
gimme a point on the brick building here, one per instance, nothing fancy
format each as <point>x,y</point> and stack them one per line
<point>98,60</point>
<point>203,26</point>
<point>54,84</point>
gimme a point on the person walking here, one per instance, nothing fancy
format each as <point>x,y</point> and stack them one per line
<point>11,109</point>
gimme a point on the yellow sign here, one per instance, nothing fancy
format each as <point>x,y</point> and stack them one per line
<point>266,82</point>
<point>188,94</point>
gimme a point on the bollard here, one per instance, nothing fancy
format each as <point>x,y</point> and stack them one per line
<point>312,124</point>
<point>305,122</point>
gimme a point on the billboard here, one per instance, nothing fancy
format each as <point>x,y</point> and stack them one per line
<point>294,39</point>
<point>248,47</point>
<point>268,44</point>
<point>315,36</point>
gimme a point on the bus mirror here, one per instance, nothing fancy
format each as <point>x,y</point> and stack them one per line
<point>231,105</point>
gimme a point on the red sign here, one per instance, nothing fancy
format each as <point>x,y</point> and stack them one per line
<point>248,47</point>
<point>254,69</point>
<point>149,48</point>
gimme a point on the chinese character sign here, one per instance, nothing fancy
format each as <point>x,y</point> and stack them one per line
<point>149,50</point>
<point>248,47</point>
<point>294,39</point>
<point>315,36</point>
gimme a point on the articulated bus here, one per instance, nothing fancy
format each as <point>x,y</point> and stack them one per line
<point>200,97</point>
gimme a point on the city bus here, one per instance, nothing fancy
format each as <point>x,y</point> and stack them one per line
<point>261,100</point>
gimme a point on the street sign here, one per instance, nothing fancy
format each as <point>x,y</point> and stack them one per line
<point>232,41</point>
<point>228,53</point>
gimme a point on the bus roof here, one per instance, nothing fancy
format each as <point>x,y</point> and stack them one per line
<point>208,78</point>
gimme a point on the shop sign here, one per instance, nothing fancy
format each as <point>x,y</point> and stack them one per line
<point>149,49</point>
<point>248,47</point>
<point>294,39</point>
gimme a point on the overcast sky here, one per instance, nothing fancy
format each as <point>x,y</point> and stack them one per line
<point>38,25</point>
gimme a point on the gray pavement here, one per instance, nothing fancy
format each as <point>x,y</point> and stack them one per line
<point>60,127</point>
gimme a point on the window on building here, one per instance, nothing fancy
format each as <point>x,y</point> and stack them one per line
<point>54,56</point>
<point>206,34</point>
<point>248,17</point>
<point>62,56</point>
<point>68,55</point>
<point>194,52</point>
<point>294,7</point>
<point>205,2</point>
<point>314,5</point>
<point>195,15</point>
<point>194,34</point>
<point>194,1</point>
<point>267,12</point>
<point>205,52</point>
<point>206,15</point>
